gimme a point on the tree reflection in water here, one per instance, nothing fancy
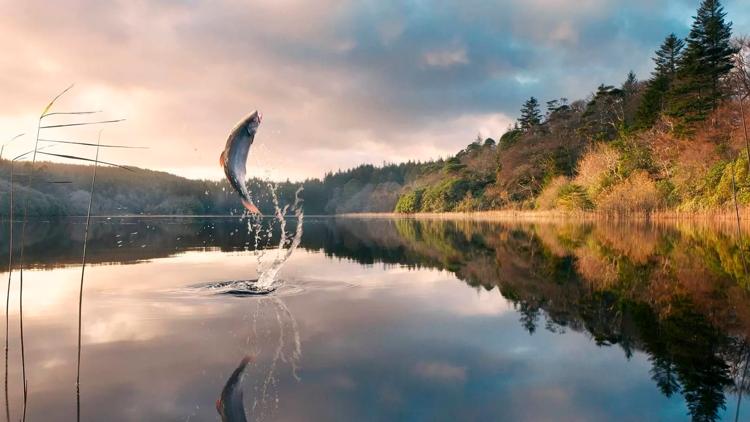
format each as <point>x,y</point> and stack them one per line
<point>677,293</point>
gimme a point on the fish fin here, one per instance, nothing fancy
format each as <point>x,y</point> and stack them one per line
<point>250,206</point>
<point>222,158</point>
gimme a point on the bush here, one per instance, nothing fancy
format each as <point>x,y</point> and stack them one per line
<point>444,196</point>
<point>410,202</point>
<point>560,193</point>
<point>717,190</point>
<point>509,138</point>
<point>633,157</point>
<point>547,199</point>
<point>573,197</point>
<point>470,203</point>
<point>637,193</point>
<point>597,169</point>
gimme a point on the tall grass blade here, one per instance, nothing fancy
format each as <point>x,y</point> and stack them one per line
<point>91,144</point>
<point>51,103</point>
<point>75,157</point>
<point>68,113</point>
<point>80,290</point>
<point>100,122</point>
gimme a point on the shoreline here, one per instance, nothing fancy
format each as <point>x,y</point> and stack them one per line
<point>496,215</point>
<point>532,215</point>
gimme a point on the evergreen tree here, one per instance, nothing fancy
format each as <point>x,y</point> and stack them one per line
<point>630,86</point>
<point>652,103</point>
<point>707,59</point>
<point>668,56</point>
<point>631,90</point>
<point>530,114</point>
<point>667,60</point>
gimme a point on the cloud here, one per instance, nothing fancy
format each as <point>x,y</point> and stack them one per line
<point>446,57</point>
<point>339,81</point>
<point>440,372</point>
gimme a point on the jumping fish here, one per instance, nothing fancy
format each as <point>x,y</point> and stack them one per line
<point>230,405</point>
<point>234,157</point>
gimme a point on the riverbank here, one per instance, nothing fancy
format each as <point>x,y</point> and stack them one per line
<point>532,215</point>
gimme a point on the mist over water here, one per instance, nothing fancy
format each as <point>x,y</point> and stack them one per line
<point>386,319</point>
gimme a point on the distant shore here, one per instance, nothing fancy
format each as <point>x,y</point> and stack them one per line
<point>531,215</point>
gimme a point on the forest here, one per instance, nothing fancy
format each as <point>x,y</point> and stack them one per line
<point>677,140</point>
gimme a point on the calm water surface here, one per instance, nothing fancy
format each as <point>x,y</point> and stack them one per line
<point>385,320</point>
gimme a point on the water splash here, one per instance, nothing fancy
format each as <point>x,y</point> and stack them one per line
<point>270,258</point>
<point>268,273</point>
<point>267,388</point>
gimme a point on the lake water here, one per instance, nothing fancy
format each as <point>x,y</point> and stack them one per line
<point>384,319</point>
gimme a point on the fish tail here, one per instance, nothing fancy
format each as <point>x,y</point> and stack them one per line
<point>250,206</point>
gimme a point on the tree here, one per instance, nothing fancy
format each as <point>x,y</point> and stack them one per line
<point>652,103</point>
<point>604,116</point>
<point>706,61</point>
<point>667,59</point>
<point>630,86</point>
<point>557,106</point>
<point>631,97</point>
<point>530,114</point>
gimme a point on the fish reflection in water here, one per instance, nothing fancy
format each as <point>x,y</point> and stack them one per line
<point>231,405</point>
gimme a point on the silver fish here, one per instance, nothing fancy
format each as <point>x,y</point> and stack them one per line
<point>230,405</point>
<point>234,157</point>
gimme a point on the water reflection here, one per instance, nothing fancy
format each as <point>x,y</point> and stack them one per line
<point>678,294</point>
<point>671,298</point>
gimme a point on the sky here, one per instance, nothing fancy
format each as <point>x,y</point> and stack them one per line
<point>339,82</point>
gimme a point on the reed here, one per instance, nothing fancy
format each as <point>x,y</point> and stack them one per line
<point>83,270</point>
<point>46,112</point>
<point>96,162</point>
<point>10,275</point>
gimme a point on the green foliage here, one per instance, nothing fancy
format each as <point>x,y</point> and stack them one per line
<point>633,156</point>
<point>573,197</point>
<point>531,117</point>
<point>668,193</point>
<point>604,116</point>
<point>715,189</point>
<point>668,57</point>
<point>652,103</point>
<point>509,138</point>
<point>410,202</point>
<point>444,196</point>
<point>453,165</point>
<point>706,60</point>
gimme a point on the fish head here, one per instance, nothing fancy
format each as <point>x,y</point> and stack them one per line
<point>252,122</point>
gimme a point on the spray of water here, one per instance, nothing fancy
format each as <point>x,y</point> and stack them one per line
<point>288,242</point>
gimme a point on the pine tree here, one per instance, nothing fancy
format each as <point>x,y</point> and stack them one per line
<point>631,98</point>
<point>652,103</point>
<point>666,60</point>
<point>530,114</point>
<point>668,57</point>
<point>630,86</point>
<point>707,59</point>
